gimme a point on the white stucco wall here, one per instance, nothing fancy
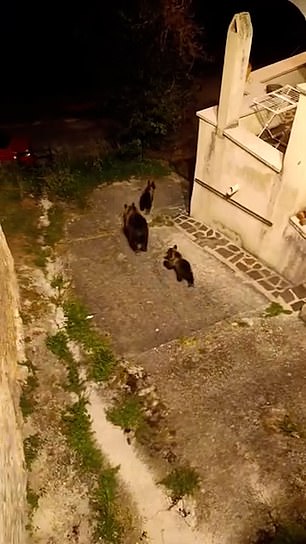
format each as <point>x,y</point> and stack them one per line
<point>220,164</point>
<point>272,187</point>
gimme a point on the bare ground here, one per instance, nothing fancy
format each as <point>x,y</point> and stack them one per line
<point>235,396</point>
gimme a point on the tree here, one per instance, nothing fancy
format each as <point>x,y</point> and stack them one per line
<point>154,54</point>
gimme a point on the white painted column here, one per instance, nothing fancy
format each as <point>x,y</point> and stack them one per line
<point>236,60</point>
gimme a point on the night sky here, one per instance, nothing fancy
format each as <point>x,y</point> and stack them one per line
<point>71,48</point>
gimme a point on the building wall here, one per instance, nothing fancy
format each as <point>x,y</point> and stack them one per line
<point>272,185</point>
<point>274,196</point>
<point>220,164</point>
<point>13,475</point>
<point>284,246</point>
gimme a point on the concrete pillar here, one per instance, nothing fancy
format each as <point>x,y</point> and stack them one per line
<point>236,61</point>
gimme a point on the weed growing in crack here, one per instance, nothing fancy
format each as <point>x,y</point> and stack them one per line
<point>180,482</point>
<point>76,423</point>
<point>60,284</point>
<point>275,309</point>
<point>42,254</point>
<point>31,446</point>
<point>105,495</point>
<point>288,427</point>
<point>53,233</point>
<point>100,358</point>
<point>27,400</point>
<point>58,345</point>
<point>80,437</point>
<point>127,414</point>
<point>32,498</point>
<point>77,427</point>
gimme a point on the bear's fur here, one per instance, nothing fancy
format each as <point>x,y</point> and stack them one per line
<point>174,261</point>
<point>135,228</point>
<point>146,199</point>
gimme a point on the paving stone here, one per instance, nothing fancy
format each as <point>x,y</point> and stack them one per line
<point>233,248</point>
<point>236,258</point>
<point>274,280</point>
<point>300,291</point>
<point>206,242</point>
<point>242,266</point>
<point>254,274</point>
<point>223,251</point>
<point>212,243</point>
<point>257,266</point>
<point>210,232</point>
<point>221,242</point>
<point>266,285</point>
<point>297,306</point>
<point>190,228</point>
<point>197,224</point>
<point>218,235</point>
<point>200,235</point>
<point>302,313</point>
<point>287,296</point>
<point>283,284</point>
<point>249,261</point>
<point>266,272</point>
<point>204,228</point>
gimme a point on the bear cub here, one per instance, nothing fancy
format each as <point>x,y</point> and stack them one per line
<point>173,260</point>
<point>146,199</point>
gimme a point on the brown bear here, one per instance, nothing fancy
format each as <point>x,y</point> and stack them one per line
<point>174,260</point>
<point>146,199</point>
<point>135,228</point>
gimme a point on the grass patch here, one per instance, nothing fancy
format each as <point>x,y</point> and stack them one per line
<point>115,168</point>
<point>58,345</point>
<point>32,498</point>
<point>287,426</point>
<point>127,414</point>
<point>275,309</point>
<point>108,528</point>
<point>78,431</point>
<point>31,446</point>
<point>58,282</point>
<point>41,255</point>
<point>77,427</point>
<point>100,358</point>
<point>27,400</point>
<point>186,341</point>
<point>180,482</point>
<point>54,232</point>
<point>72,180</point>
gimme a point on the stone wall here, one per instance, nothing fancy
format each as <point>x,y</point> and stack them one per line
<point>12,466</point>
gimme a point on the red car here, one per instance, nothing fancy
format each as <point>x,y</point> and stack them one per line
<point>16,148</point>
